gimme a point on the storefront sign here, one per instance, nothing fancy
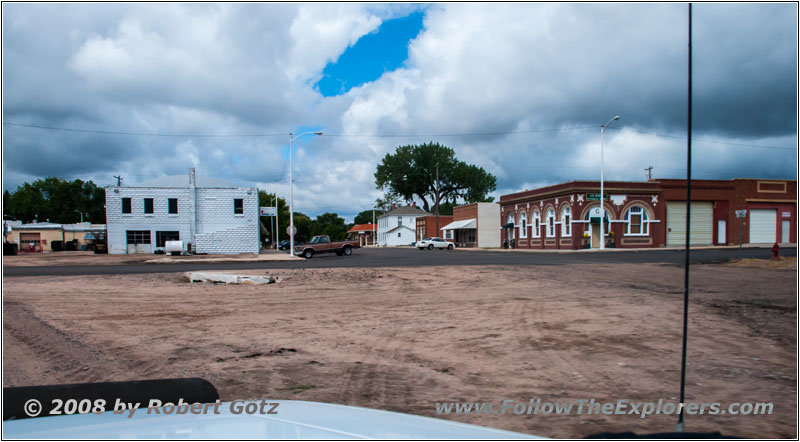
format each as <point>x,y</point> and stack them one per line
<point>786,214</point>
<point>266,211</point>
<point>596,196</point>
<point>741,213</point>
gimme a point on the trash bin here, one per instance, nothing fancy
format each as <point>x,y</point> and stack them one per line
<point>83,247</point>
<point>10,248</point>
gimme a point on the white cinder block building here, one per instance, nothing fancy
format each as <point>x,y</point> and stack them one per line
<point>397,227</point>
<point>207,214</point>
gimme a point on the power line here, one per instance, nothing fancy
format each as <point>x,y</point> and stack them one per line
<point>467,134</point>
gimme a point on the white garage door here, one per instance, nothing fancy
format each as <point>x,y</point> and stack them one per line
<point>762,226</point>
<point>701,225</point>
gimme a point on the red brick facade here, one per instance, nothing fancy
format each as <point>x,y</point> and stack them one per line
<point>426,226</point>
<point>637,211</point>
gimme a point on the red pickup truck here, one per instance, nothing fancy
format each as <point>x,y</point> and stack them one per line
<point>323,244</point>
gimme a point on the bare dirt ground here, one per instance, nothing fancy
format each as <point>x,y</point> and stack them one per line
<point>89,258</point>
<point>403,339</point>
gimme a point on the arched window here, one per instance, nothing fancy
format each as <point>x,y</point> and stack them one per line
<point>551,223</point>
<point>636,221</point>
<point>523,225</point>
<point>537,231</point>
<point>566,222</point>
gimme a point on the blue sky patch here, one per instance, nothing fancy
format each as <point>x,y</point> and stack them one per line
<point>371,56</point>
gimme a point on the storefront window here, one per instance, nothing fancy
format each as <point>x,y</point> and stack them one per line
<point>636,218</point>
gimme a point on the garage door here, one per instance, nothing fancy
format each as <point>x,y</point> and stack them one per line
<point>30,237</point>
<point>701,224</point>
<point>762,226</point>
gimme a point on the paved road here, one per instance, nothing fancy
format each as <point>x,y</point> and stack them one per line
<point>390,257</point>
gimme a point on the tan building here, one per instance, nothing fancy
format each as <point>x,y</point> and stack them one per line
<point>36,237</point>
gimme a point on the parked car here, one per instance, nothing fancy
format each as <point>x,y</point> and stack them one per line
<point>435,243</point>
<point>284,245</point>
<point>323,244</point>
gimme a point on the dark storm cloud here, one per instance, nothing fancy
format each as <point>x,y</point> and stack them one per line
<point>538,69</point>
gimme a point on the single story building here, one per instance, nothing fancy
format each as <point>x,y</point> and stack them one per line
<point>209,215</point>
<point>426,226</point>
<point>650,214</point>
<point>364,233</point>
<point>474,225</point>
<point>35,237</point>
<point>397,226</point>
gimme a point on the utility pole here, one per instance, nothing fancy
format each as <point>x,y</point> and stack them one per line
<point>649,173</point>
<point>119,180</point>
<point>437,199</point>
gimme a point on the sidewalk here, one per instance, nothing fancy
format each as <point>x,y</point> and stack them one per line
<point>265,255</point>
<point>647,249</point>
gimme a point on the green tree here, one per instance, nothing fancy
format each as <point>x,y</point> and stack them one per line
<point>411,172</point>
<point>304,226</point>
<point>330,224</point>
<point>58,200</point>
<point>365,217</point>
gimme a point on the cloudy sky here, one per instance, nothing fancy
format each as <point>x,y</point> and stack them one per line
<point>519,89</point>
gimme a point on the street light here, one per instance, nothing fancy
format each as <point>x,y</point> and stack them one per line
<point>291,189</point>
<point>602,197</point>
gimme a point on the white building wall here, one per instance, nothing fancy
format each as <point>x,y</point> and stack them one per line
<point>407,232</point>
<point>488,225</point>
<point>219,230</point>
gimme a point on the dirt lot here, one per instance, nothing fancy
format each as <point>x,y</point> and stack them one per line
<point>404,339</point>
<point>89,258</point>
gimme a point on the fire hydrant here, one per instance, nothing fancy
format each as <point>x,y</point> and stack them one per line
<point>775,250</point>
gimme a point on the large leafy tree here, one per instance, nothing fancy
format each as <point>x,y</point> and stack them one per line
<point>56,199</point>
<point>365,217</point>
<point>410,172</point>
<point>330,224</point>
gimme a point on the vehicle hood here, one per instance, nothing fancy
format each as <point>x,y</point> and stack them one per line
<point>295,420</point>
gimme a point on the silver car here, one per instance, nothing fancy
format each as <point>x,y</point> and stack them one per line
<point>434,243</point>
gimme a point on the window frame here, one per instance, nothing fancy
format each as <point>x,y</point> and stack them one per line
<point>152,206</point>
<point>566,221</point>
<point>238,206</point>
<point>523,225</point>
<point>138,237</point>
<point>130,206</point>
<point>551,223</point>
<point>537,224</point>
<point>170,202</point>
<point>644,224</point>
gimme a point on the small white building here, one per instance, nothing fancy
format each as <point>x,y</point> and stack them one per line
<point>209,215</point>
<point>397,227</point>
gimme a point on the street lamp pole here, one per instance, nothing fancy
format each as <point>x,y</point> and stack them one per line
<point>291,190</point>
<point>602,195</point>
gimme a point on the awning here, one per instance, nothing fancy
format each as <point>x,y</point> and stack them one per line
<point>462,224</point>
<point>508,226</point>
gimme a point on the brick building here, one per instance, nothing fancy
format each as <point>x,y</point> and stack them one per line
<point>474,225</point>
<point>426,226</point>
<point>209,214</point>
<point>650,214</point>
